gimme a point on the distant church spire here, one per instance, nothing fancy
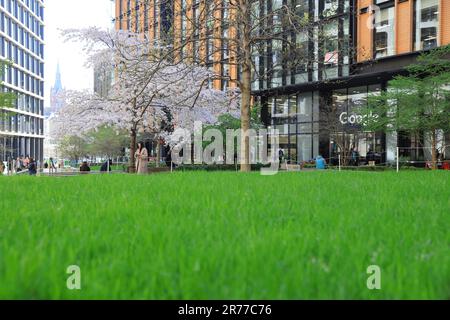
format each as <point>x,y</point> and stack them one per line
<point>57,94</point>
<point>58,83</point>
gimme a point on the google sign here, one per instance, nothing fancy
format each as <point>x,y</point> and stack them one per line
<point>346,118</point>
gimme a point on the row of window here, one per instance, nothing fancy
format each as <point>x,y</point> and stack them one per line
<point>20,79</point>
<point>426,27</point>
<point>17,7</point>
<point>28,103</point>
<point>15,147</point>
<point>321,51</point>
<point>22,35</point>
<point>26,19</point>
<point>20,123</point>
<point>21,58</point>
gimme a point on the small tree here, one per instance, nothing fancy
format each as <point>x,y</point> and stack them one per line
<point>418,103</point>
<point>229,121</point>
<point>73,147</point>
<point>107,142</point>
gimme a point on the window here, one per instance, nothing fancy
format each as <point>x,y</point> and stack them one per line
<point>330,8</point>
<point>277,63</point>
<point>331,49</point>
<point>385,32</point>
<point>427,24</point>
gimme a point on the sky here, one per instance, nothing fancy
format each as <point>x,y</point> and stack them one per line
<point>62,14</point>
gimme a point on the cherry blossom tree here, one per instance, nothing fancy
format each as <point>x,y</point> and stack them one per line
<point>147,84</point>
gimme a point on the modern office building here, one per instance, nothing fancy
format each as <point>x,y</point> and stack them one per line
<point>353,48</point>
<point>374,41</point>
<point>22,43</point>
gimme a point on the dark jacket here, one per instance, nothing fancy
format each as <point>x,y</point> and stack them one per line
<point>32,168</point>
<point>85,168</point>
<point>104,167</point>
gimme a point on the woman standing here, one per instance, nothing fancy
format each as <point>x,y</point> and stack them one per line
<point>141,156</point>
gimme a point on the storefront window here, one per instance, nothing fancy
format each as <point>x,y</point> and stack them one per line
<point>427,24</point>
<point>304,107</point>
<point>296,118</point>
<point>349,135</point>
<point>304,147</point>
<point>292,105</point>
<point>385,32</point>
<point>281,106</point>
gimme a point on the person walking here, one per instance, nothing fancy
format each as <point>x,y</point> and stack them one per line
<point>141,157</point>
<point>354,157</point>
<point>32,167</point>
<point>106,166</point>
<point>52,167</point>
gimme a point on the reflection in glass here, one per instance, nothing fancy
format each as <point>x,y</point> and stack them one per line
<point>385,32</point>
<point>427,24</point>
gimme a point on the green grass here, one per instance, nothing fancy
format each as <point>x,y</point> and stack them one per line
<point>113,167</point>
<point>226,236</point>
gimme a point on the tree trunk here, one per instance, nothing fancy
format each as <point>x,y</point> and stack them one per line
<point>245,85</point>
<point>158,152</point>
<point>132,167</point>
<point>433,149</point>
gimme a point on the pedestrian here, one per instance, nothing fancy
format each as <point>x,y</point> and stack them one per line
<point>321,163</point>
<point>84,168</point>
<point>26,161</point>
<point>354,157</point>
<point>280,157</point>
<point>141,157</point>
<point>106,166</point>
<point>17,165</point>
<point>51,166</point>
<point>32,168</point>
<point>2,168</point>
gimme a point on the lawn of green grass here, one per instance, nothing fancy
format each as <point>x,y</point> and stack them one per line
<point>226,235</point>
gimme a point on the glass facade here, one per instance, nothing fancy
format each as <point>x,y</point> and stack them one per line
<point>303,52</point>
<point>426,24</point>
<point>324,123</point>
<point>347,135</point>
<point>385,32</point>
<point>296,117</point>
<point>22,43</point>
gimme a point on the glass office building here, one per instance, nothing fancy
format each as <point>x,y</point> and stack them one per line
<point>350,50</point>
<point>22,44</point>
